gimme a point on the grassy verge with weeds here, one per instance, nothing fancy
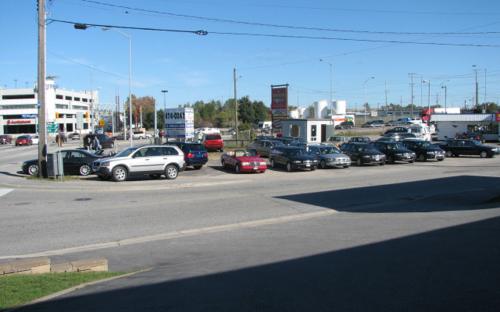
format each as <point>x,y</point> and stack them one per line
<point>21,289</point>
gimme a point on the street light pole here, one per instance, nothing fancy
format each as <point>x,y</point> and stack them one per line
<point>445,97</point>
<point>235,106</point>
<point>364,92</point>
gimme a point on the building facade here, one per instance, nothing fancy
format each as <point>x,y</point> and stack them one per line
<point>70,111</point>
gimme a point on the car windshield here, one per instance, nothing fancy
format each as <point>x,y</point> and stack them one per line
<point>424,144</point>
<point>297,152</point>
<point>395,146</point>
<point>248,153</point>
<point>126,152</point>
<point>213,137</point>
<point>329,150</point>
<point>194,147</point>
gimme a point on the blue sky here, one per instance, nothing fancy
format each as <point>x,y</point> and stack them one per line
<point>195,67</point>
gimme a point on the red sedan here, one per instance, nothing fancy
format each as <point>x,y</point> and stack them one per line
<point>243,161</point>
<point>24,140</point>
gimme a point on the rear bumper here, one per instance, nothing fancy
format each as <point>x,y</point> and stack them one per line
<point>253,168</point>
<point>195,162</point>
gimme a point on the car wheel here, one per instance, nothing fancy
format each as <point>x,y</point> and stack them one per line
<point>237,169</point>
<point>382,163</point>
<point>171,172</point>
<point>33,170</point>
<point>197,167</point>
<point>85,170</point>
<point>421,157</point>
<point>119,174</point>
<point>322,164</point>
<point>483,154</point>
<point>411,162</point>
<point>449,154</point>
<point>288,167</point>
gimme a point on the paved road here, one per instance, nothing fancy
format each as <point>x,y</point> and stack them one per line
<point>398,237</point>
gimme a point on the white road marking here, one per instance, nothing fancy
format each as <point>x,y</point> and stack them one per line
<point>5,191</point>
<point>179,234</point>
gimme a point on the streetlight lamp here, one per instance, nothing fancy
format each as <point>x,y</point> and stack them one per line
<point>129,79</point>
<point>364,92</point>
<point>84,27</point>
<point>445,97</point>
<point>331,84</point>
<point>165,111</point>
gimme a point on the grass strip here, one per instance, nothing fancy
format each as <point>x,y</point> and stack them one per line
<point>21,289</point>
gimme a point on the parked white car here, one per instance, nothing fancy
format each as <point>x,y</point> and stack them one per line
<point>152,160</point>
<point>35,139</point>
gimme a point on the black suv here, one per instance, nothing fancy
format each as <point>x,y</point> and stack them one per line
<point>363,154</point>
<point>104,140</point>
<point>395,151</point>
<point>293,158</point>
<point>424,150</point>
<point>467,147</point>
<point>195,154</point>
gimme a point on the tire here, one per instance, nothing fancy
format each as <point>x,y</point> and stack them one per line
<point>33,170</point>
<point>119,174</point>
<point>171,172</point>
<point>421,157</point>
<point>411,161</point>
<point>85,170</point>
<point>483,154</point>
<point>288,167</point>
<point>197,167</point>
<point>322,164</point>
<point>237,168</point>
<point>382,163</point>
<point>449,154</point>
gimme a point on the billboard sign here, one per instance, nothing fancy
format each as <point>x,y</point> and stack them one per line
<point>279,105</point>
<point>179,123</point>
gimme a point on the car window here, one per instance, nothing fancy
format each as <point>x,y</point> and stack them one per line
<point>213,137</point>
<point>153,151</point>
<point>77,155</point>
<point>126,152</point>
<point>169,151</point>
<point>140,153</point>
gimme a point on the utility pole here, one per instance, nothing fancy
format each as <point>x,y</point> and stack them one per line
<point>445,98</point>
<point>164,91</point>
<point>477,87</point>
<point>412,75</point>
<point>42,110</point>
<point>235,105</point>
<point>485,102</point>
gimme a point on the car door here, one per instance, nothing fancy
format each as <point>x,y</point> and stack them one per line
<point>140,162</point>
<point>470,148</point>
<point>170,155</point>
<point>76,160</point>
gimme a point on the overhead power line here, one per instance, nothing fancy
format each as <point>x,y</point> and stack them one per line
<point>204,32</point>
<point>223,20</point>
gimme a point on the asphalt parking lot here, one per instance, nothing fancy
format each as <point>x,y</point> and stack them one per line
<point>418,236</point>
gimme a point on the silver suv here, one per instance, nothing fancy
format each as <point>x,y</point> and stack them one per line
<point>152,160</point>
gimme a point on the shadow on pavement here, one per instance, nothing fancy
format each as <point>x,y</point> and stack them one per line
<point>446,194</point>
<point>451,269</point>
<point>18,174</point>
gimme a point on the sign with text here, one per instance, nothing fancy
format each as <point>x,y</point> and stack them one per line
<point>179,123</point>
<point>279,105</point>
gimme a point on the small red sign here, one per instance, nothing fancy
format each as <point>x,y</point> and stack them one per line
<point>498,117</point>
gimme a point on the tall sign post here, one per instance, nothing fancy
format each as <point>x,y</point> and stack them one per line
<point>42,129</point>
<point>279,105</point>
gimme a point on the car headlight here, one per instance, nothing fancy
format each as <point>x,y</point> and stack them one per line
<point>245,163</point>
<point>105,164</point>
<point>263,163</point>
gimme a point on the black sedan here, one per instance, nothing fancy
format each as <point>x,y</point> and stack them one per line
<point>467,147</point>
<point>395,151</point>
<point>75,162</point>
<point>363,154</point>
<point>424,150</point>
<point>293,158</point>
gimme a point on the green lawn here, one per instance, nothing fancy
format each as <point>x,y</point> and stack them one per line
<point>21,289</point>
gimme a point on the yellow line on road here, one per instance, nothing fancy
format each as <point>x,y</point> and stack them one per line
<point>179,234</point>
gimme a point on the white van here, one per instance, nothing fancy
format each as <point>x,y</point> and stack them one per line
<point>422,131</point>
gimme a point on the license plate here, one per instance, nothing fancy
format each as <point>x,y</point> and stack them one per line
<point>255,168</point>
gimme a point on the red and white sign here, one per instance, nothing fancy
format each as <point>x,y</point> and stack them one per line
<point>279,105</point>
<point>19,121</point>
